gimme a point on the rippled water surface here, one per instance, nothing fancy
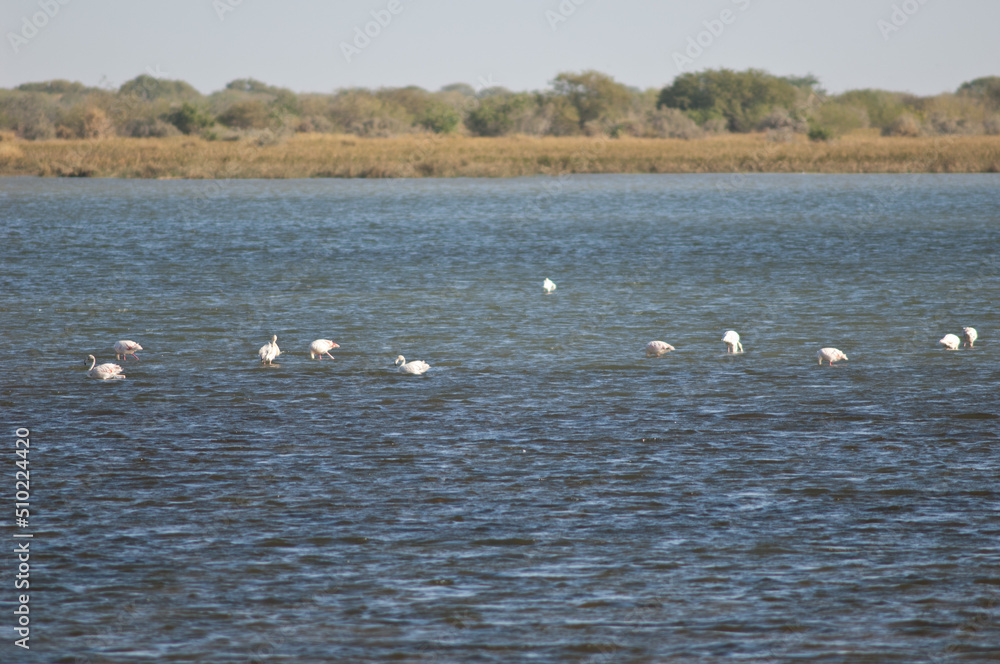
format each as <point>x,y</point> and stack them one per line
<point>545,492</point>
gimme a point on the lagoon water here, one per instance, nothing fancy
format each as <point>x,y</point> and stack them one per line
<point>545,493</point>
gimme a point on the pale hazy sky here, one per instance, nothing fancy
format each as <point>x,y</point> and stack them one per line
<point>919,46</point>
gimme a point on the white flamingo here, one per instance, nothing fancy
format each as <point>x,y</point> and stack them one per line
<point>107,371</point>
<point>126,347</point>
<point>831,355</point>
<point>416,367</point>
<point>732,340</point>
<point>322,347</point>
<point>970,335</point>
<point>548,285</point>
<point>950,341</point>
<point>270,350</point>
<point>658,348</point>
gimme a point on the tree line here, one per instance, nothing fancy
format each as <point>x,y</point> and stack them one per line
<point>590,103</point>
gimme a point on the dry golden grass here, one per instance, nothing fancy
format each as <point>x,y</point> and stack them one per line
<point>321,155</point>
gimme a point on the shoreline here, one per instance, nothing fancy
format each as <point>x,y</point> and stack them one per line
<point>431,155</point>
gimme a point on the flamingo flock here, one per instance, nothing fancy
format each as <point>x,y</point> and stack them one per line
<point>320,347</point>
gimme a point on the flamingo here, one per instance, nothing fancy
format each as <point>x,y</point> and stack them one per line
<point>950,341</point>
<point>126,347</point>
<point>732,340</point>
<point>104,371</point>
<point>416,367</point>
<point>322,347</point>
<point>831,355</point>
<point>658,348</point>
<point>270,350</point>
<point>970,335</point>
<point>548,285</point>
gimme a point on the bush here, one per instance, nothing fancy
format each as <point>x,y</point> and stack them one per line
<point>361,112</point>
<point>56,87</point>
<point>148,88</point>
<point>742,98</point>
<point>877,107</point>
<point>985,90</point>
<point>249,114</point>
<point>782,120</point>
<point>840,118</point>
<point>904,125</point>
<point>820,133</point>
<point>715,126</point>
<point>440,119</point>
<point>672,123</point>
<point>96,124</point>
<point>149,128</point>
<point>599,100</point>
<point>189,119</point>
<point>498,114</point>
<point>315,124</point>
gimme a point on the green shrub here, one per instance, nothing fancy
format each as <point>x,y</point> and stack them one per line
<point>840,118</point>
<point>742,98</point>
<point>251,114</point>
<point>820,133</point>
<point>440,119</point>
<point>188,119</point>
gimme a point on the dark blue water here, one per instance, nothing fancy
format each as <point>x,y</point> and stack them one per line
<point>545,492</point>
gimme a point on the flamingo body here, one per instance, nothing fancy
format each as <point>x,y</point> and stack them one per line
<point>322,347</point>
<point>970,335</point>
<point>732,341</point>
<point>950,341</point>
<point>269,351</point>
<point>548,285</point>
<point>658,348</point>
<point>126,347</point>
<point>831,355</point>
<point>415,368</point>
<point>107,371</point>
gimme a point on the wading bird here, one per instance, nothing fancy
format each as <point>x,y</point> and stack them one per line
<point>970,335</point>
<point>732,341</point>
<point>270,350</point>
<point>950,341</point>
<point>126,347</point>
<point>548,285</point>
<point>322,347</point>
<point>103,371</point>
<point>831,355</point>
<point>658,348</point>
<point>416,367</point>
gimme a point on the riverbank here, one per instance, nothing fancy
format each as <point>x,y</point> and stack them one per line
<point>323,155</point>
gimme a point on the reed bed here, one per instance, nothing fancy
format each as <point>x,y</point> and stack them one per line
<point>322,155</point>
